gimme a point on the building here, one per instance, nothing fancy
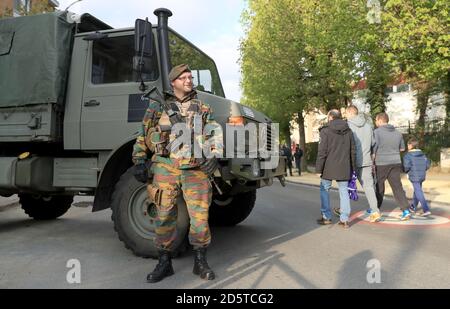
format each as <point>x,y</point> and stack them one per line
<point>16,6</point>
<point>401,108</point>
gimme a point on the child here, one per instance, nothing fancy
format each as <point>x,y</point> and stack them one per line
<point>416,165</point>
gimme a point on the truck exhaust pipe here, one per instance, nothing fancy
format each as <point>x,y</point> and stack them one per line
<point>163,40</point>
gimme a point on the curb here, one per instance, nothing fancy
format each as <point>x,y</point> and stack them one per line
<point>390,196</point>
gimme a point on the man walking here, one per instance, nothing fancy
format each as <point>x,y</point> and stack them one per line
<point>298,154</point>
<point>388,145</point>
<point>364,141</point>
<point>176,170</point>
<point>286,151</point>
<point>335,161</point>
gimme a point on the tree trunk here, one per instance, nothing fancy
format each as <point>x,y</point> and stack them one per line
<point>447,103</point>
<point>422,104</point>
<point>301,131</point>
<point>287,133</point>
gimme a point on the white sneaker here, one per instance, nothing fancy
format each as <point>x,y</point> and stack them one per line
<point>426,214</point>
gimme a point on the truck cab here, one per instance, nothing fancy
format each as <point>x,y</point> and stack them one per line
<point>78,137</point>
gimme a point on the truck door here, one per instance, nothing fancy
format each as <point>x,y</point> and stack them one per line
<point>111,108</point>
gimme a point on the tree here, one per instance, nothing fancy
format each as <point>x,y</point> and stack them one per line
<point>417,34</point>
<point>298,56</point>
<point>29,8</point>
<point>6,12</point>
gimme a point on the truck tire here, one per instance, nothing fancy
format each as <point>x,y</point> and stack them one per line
<point>134,217</point>
<point>231,210</point>
<point>41,207</point>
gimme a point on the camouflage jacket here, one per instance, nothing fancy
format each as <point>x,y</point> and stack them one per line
<point>146,146</point>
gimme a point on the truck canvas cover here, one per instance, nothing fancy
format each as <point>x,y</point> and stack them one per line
<point>34,59</point>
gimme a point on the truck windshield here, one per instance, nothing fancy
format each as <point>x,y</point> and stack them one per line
<point>204,70</point>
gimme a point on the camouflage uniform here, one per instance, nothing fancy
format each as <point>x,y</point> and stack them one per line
<point>177,171</point>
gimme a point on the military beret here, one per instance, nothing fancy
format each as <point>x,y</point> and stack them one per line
<point>177,71</point>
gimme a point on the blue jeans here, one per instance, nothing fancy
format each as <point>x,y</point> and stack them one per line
<point>325,208</point>
<point>419,197</point>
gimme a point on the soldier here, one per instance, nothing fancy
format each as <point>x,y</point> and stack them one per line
<point>175,169</point>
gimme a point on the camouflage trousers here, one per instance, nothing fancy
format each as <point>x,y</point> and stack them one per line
<point>168,183</point>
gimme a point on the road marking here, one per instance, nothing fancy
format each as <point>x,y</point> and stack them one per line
<point>393,218</point>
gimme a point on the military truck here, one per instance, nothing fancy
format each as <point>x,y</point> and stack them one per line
<point>71,104</point>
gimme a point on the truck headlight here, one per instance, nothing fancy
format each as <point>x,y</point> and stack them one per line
<point>256,168</point>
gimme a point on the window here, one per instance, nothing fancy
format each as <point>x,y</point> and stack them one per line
<point>204,70</point>
<point>112,62</point>
<point>403,88</point>
<point>389,89</point>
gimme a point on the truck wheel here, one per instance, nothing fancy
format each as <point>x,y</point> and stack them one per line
<point>41,207</point>
<point>134,218</point>
<point>231,210</point>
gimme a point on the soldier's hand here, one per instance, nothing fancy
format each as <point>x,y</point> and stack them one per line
<point>141,172</point>
<point>209,166</point>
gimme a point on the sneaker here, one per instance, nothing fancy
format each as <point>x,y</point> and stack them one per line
<point>344,224</point>
<point>369,211</point>
<point>323,221</point>
<point>406,215</point>
<point>412,209</point>
<point>337,212</point>
<point>375,217</point>
<point>426,214</point>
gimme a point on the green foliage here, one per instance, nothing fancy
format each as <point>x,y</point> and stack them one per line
<point>291,60</point>
<point>5,13</point>
<point>417,35</point>
<point>299,55</point>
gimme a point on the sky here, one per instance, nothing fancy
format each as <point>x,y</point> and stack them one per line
<point>213,26</point>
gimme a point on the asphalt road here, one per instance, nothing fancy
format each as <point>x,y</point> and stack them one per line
<point>278,246</point>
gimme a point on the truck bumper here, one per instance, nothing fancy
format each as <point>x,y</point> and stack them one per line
<point>255,170</point>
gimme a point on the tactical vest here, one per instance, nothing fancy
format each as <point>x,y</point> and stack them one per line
<point>158,137</point>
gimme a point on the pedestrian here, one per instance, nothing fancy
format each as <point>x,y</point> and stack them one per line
<point>362,130</point>
<point>335,161</point>
<point>298,154</point>
<point>286,151</point>
<point>175,170</point>
<point>416,165</point>
<point>388,145</point>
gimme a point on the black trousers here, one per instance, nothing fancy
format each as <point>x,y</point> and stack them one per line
<point>391,173</point>
<point>298,166</point>
<point>289,166</point>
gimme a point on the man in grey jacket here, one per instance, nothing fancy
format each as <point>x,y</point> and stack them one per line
<point>364,141</point>
<point>388,145</point>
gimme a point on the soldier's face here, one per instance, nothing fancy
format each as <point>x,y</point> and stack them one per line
<point>184,83</point>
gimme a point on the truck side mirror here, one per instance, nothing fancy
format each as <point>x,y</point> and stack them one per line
<point>143,46</point>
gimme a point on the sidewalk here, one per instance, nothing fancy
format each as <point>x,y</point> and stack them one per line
<point>436,187</point>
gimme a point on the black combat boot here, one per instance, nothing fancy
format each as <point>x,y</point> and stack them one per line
<point>201,267</point>
<point>163,268</point>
